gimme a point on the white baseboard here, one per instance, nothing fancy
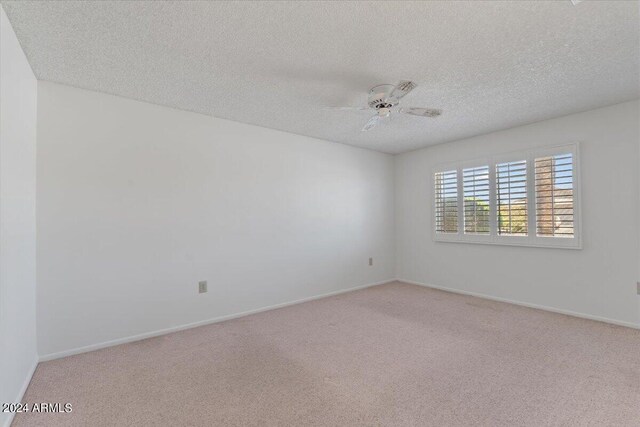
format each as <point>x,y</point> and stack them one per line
<point>21,392</point>
<point>526,304</point>
<point>160,332</point>
<point>98,346</point>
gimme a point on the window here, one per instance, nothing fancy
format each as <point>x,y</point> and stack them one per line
<point>475,185</point>
<point>511,195</point>
<point>554,195</point>
<point>528,198</point>
<point>446,186</point>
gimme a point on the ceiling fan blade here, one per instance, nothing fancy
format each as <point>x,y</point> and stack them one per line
<point>422,112</point>
<point>346,108</point>
<point>373,121</point>
<point>402,88</point>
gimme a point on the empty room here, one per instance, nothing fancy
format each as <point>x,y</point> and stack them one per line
<point>320,213</point>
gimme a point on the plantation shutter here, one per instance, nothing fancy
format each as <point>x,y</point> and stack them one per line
<point>554,196</point>
<point>475,184</point>
<point>511,198</point>
<point>446,191</point>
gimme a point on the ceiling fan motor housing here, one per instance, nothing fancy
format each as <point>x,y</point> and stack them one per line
<point>380,97</point>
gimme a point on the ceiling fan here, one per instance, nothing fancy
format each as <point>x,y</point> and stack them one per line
<point>384,100</point>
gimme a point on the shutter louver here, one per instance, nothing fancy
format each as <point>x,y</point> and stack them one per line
<point>446,191</point>
<point>475,182</point>
<point>511,198</point>
<point>554,196</point>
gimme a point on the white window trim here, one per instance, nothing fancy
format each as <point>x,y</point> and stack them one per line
<point>532,239</point>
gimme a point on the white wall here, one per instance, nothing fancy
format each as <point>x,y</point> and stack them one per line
<point>138,202</point>
<point>18,355</point>
<point>596,281</point>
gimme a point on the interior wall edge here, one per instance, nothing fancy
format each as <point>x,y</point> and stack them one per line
<point>18,116</point>
<point>23,389</point>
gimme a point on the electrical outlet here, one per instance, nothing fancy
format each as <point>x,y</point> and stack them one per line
<point>370,261</point>
<point>202,287</point>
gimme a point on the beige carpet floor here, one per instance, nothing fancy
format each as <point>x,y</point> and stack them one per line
<point>391,355</point>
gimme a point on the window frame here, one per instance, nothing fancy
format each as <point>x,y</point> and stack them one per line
<point>532,239</point>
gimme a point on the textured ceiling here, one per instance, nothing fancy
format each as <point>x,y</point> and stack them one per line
<point>487,65</point>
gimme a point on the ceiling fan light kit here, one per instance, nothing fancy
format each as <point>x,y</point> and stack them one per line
<point>384,100</point>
